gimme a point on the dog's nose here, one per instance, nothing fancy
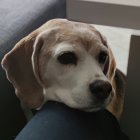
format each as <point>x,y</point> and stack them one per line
<point>101,89</point>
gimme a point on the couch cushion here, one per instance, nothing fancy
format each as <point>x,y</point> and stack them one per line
<point>18,18</point>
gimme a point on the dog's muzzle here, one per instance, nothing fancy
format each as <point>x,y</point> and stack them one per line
<point>101,89</point>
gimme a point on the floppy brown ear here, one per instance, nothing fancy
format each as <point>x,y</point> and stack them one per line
<point>18,66</point>
<point>111,65</point>
<point>116,105</point>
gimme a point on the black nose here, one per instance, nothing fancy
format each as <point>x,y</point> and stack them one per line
<point>101,89</point>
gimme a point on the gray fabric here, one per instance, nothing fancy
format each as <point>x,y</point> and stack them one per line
<point>17,19</point>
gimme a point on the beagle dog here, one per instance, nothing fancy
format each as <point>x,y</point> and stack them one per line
<point>67,62</point>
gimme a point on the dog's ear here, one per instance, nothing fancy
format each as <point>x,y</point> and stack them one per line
<point>111,64</point>
<point>18,66</point>
<point>116,105</point>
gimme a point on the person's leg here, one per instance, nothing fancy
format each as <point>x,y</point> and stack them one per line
<point>56,121</point>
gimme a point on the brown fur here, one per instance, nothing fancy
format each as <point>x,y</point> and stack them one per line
<point>22,76</point>
<point>116,105</point>
<point>28,82</point>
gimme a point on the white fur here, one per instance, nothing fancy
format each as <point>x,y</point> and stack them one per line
<point>70,84</point>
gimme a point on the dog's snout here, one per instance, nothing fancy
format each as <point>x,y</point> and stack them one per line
<point>101,89</point>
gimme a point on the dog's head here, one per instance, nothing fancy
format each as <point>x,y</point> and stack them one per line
<point>64,61</point>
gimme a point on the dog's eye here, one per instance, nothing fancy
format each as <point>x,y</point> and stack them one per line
<point>102,57</point>
<point>67,58</point>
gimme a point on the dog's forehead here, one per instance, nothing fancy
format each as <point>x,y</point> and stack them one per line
<point>72,27</point>
<point>76,33</point>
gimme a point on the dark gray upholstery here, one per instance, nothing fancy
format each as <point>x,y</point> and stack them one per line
<point>17,19</point>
